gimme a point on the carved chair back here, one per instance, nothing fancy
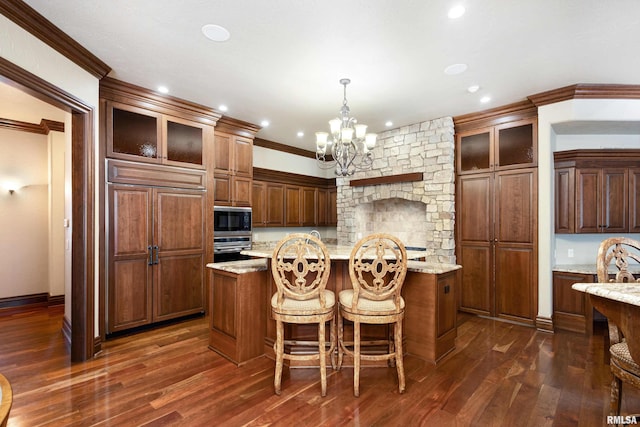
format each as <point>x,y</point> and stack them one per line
<point>300,265</point>
<point>377,267</point>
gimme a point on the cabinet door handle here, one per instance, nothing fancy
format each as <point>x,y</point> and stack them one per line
<point>155,247</point>
<point>150,262</point>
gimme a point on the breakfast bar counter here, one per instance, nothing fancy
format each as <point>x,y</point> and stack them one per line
<point>241,327</point>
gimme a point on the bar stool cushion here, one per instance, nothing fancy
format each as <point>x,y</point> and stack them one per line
<point>620,353</point>
<point>298,307</point>
<point>364,304</point>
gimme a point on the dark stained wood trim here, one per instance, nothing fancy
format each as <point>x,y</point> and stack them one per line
<point>56,300</point>
<point>237,127</point>
<point>389,179</point>
<point>260,174</point>
<point>82,242</point>
<point>586,91</point>
<point>52,125</point>
<point>596,158</point>
<point>116,90</point>
<point>82,201</point>
<point>30,20</point>
<point>544,324</point>
<point>495,116</point>
<point>33,300</point>
<point>259,142</point>
<point>43,128</point>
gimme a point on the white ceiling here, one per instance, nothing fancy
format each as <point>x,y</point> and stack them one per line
<point>285,57</point>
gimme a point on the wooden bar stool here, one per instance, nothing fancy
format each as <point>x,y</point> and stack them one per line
<point>301,265</point>
<point>377,267</point>
<point>617,253</point>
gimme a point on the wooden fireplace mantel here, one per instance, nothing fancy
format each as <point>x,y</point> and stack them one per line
<point>390,179</point>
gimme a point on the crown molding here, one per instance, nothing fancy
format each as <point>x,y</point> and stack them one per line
<point>43,128</point>
<point>119,91</point>
<point>284,148</point>
<point>586,91</point>
<point>260,174</point>
<point>30,20</point>
<point>495,116</point>
<point>237,127</point>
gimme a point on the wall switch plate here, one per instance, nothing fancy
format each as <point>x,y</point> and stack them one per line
<point>570,253</point>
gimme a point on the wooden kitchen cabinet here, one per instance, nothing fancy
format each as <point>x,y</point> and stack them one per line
<point>158,185</point>
<point>496,216</point>
<point>572,310</point>
<point>506,146</point>
<point>291,200</point>
<point>238,319</point>
<point>267,204</point>
<point>233,162</point>
<point>596,191</point>
<point>156,254</point>
<point>300,205</point>
<point>634,200</point>
<point>332,214</point>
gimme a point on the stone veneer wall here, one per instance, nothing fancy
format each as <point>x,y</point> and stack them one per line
<point>426,147</point>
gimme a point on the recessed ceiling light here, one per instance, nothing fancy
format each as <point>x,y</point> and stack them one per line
<point>216,33</point>
<point>389,124</point>
<point>300,134</point>
<point>454,69</point>
<point>473,88</point>
<point>264,123</point>
<point>456,11</point>
<point>223,107</point>
<point>163,89</point>
<point>485,99</point>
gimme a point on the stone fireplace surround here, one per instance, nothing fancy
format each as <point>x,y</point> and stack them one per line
<point>420,213</point>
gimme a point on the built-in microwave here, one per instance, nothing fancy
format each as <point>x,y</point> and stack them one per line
<point>231,220</point>
<point>231,231</point>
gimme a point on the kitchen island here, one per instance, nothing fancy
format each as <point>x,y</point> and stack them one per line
<point>429,291</point>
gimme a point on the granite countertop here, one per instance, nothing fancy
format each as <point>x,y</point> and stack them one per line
<point>590,268</point>
<point>430,267</point>
<point>624,292</point>
<point>576,268</point>
<point>240,267</point>
<point>336,252</point>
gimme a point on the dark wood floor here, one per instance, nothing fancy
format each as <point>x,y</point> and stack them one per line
<point>500,374</point>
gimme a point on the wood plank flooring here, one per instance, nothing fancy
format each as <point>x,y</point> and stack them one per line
<point>501,374</point>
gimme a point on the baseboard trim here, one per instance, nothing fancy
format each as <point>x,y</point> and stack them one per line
<point>33,300</point>
<point>544,324</point>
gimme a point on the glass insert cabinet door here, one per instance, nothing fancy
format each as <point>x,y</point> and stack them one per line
<point>140,135</point>
<point>135,134</point>
<point>507,146</point>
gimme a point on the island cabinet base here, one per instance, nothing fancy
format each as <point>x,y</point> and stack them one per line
<point>430,314</point>
<point>237,318</point>
<point>429,324</point>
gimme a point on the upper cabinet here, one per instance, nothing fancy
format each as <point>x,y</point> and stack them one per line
<point>233,162</point>
<point>596,191</point>
<point>145,127</point>
<point>506,146</point>
<point>292,200</point>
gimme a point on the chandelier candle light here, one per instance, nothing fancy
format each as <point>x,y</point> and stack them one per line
<point>350,145</point>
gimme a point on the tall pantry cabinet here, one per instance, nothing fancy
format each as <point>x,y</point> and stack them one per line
<point>496,205</point>
<point>157,152</point>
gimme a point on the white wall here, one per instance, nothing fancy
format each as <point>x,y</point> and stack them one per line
<point>24,241</point>
<point>286,162</point>
<point>552,249</point>
<point>26,51</point>
<point>58,233</point>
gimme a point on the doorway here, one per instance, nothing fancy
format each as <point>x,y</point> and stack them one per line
<point>82,298</point>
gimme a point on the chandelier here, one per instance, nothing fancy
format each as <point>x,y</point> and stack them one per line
<point>350,146</point>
